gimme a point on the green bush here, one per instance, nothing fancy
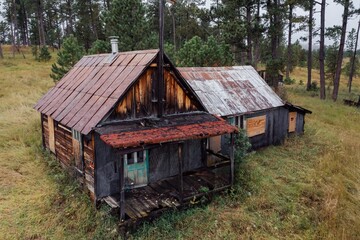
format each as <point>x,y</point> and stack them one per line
<point>44,55</point>
<point>289,81</point>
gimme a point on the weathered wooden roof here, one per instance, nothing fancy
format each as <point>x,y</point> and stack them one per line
<point>167,129</point>
<point>228,91</point>
<point>82,98</point>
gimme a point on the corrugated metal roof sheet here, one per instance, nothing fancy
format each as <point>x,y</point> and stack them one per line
<point>135,135</point>
<point>91,88</point>
<point>228,91</point>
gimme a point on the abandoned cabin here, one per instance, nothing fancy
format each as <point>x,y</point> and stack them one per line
<point>137,141</point>
<point>242,97</point>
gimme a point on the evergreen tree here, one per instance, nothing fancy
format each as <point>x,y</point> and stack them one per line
<point>100,46</point>
<point>127,18</point>
<point>44,54</point>
<point>199,53</point>
<point>70,53</point>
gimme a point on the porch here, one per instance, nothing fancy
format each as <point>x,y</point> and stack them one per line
<point>148,201</point>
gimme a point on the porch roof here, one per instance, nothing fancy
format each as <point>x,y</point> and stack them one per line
<point>167,130</point>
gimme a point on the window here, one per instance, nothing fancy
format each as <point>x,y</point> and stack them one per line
<point>239,121</point>
<point>255,126</point>
<point>135,157</point>
<point>76,135</point>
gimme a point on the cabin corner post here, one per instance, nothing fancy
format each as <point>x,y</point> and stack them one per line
<point>122,190</point>
<point>181,180</point>
<point>42,131</point>
<point>232,156</point>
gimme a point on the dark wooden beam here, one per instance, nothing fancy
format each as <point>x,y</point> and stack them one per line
<point>42,131</point>
<point>232,153</point>
<point>122,192</point>
<point>181,180</point>
<point>161,59</point>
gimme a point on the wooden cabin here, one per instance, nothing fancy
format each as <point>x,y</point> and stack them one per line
<point>239,95</point>
<point>137,143</point>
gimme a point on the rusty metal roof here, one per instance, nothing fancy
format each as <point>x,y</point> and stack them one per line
<point>228,91</point>
<point>82,98</point>
<point>167,129</point>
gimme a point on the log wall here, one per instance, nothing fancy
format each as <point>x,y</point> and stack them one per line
<point>88,147</point>
<point>64,145</point>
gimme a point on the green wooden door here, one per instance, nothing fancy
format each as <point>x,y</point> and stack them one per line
<point>136,169</point>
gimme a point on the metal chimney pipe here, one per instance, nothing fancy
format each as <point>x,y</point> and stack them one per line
<point>114,44</point>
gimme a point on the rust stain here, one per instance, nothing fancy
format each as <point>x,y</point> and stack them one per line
<point>231,90</point>
<point>168,134</point>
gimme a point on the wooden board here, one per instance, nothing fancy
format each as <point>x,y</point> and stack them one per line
<point>255,126</point>
<point>51,134</point>
<point>292,121</point>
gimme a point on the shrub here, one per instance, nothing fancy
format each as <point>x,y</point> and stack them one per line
<point>289,81</point>
<point>44,54</point>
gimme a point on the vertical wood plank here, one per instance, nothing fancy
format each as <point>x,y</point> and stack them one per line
<point>181,180</point>
<point>122,192</point>
<point>42,131</point>
<point>51,134</point>
<point>232,153</point>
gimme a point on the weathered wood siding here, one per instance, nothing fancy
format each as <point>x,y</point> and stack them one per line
<point>45,130</point>
<point>292,122</point>
<point>277,122</point>
<point>140,100</point>
<point>164,161</point>
<point>64,145</point>
<point>300,123</point>
<point>107,169</point>
<point>89,173</point>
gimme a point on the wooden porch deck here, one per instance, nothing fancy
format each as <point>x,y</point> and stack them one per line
<point>143,202</point>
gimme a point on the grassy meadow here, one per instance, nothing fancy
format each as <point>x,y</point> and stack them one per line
<point>308,188</point>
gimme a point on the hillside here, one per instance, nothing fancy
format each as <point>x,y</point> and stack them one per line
<point>309,188</point>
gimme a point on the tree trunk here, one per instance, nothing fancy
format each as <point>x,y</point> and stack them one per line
<point>309,56</point>
<point>352,69</point>
<point>322,51</point>
<point>93,21</point>
<point>1,52</point>
<point>12,27</point>
<point>249,35</point>
<point>341,51</point>
<point>70,22</point>
<point>289,50</point>
<point>40,18</point>
<point>257,36</point>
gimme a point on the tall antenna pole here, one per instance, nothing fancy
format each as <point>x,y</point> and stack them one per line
<point>161,59</point>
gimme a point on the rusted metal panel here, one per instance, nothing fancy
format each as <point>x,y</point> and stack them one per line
<point>167,134</point>
<point>77,106</point>
<point>69,106</point>
<point>231,90</point>
<point>44,98</point>
<point>70,99</point>
<point>89,113</point>
<point>99,115</point>
<point>118,82</point>
<point>125,78</point>
<point>91,88</point>
<point>84,109</point>
<point>109,81</point>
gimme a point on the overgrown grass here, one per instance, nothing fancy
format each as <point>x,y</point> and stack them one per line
<point>309,188</point>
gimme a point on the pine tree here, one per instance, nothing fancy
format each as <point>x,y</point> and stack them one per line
<point>199,53</point>
<point>127,18</point>
<point>67,57</point>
